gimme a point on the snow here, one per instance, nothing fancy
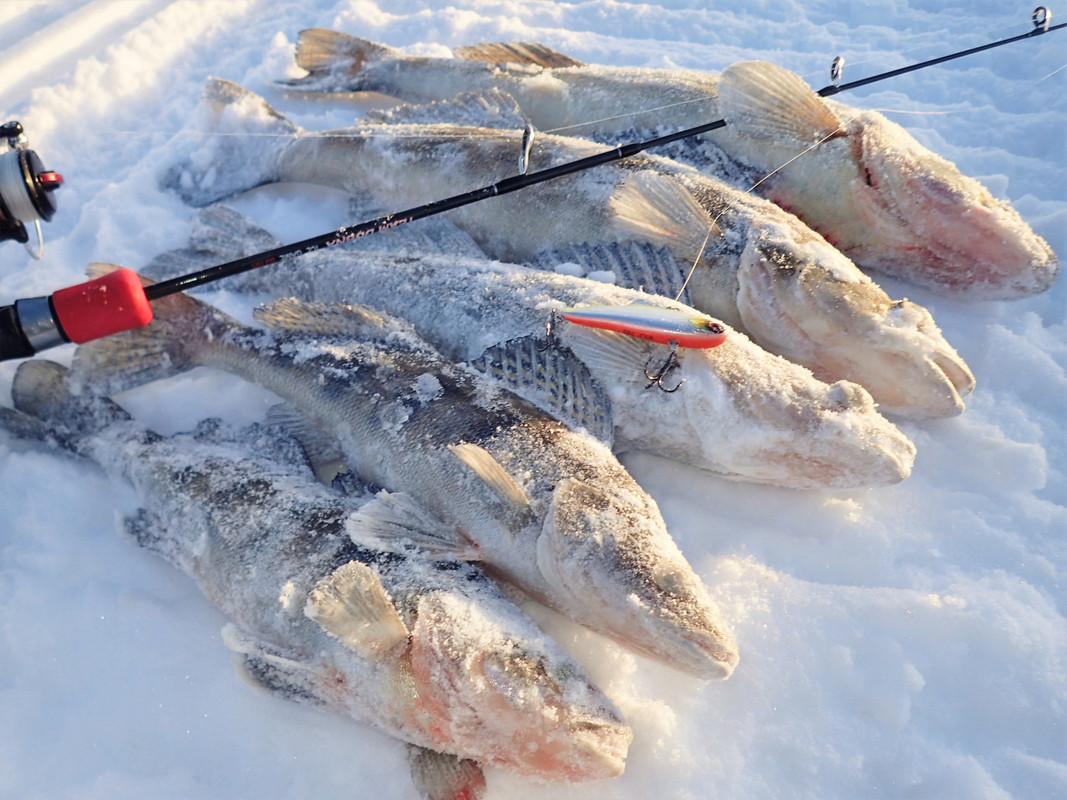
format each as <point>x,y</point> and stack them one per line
<point>902,641</point>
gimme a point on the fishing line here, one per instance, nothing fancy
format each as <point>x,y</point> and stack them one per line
<point>715,222</point>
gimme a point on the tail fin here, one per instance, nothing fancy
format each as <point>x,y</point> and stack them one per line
<point>234,128</point>
<point>40,389</point>
<point>170,345</point>
<point>333,59</point>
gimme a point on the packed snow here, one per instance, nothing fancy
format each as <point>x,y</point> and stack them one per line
<point>901,641</point>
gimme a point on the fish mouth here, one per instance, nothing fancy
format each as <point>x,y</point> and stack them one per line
<point>617,570</point>
<point>810,304</point>
<point>787,428</point>
<point>510,698</point>
<point>937,227</point>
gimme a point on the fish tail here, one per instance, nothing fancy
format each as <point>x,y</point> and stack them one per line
<point>40,389</point>
<point>173,343</point>
<point>327,54</point>
<point>234,127</point>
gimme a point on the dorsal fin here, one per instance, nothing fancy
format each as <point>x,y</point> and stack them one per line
<point>766,101</point>
<point>642,266</point>
<point>530,53</point>
<point>319,50</point>
<point>351,604</point>
<point>651,207</point>
<point>482,463</point>
<point>553,379</point>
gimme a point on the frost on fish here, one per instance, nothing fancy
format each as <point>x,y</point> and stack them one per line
<point>723,236</point>
<point>429,651</point>
<point>863,181</point>
<point>885,200</point>
<point>549,509</point>
<point>742,412</point>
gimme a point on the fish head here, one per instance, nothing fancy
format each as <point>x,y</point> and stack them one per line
<point>802,299</point>
<point>927,222</point>
<point>507,693</point>
<point>611,563</point>
<point>874,191</point>
<point>768,420</point>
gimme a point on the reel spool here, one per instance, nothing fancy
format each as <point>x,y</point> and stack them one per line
<point>26,189</point>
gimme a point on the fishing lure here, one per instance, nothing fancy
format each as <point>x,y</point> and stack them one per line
<point>662,325</point>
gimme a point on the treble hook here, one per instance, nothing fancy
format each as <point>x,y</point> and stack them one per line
<point>550,333</point>
<point>656,378</point>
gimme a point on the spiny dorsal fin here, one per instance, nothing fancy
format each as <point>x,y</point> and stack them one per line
<point>642,266</point>
<point>482,463</point>
<point>516,53</point>
<point>769,102</point>
<point>319,50</point>
<point>351,604</point>
<point>553,379</point>
<point>394,521</point>
<point>442,776</point>
<point>651,207</point>
<point>324,319</point>
<point>493,108</point>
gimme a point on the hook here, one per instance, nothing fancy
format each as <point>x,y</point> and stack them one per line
<point>656,378</point>
<point>837,66</point>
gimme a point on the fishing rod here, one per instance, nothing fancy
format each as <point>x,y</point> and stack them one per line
<point>119,302</point>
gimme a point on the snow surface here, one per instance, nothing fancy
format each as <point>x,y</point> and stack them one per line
<point>899,642</point>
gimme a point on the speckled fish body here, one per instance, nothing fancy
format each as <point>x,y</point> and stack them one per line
<point>741,413</point>
<point>754,266</point>
<point>428,650</point>
<point>863,181</point>
<point>550,509</point>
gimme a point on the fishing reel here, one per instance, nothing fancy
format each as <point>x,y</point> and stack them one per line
<point>26,189</point>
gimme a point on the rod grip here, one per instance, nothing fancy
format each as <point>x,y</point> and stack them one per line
<point>109,304</point>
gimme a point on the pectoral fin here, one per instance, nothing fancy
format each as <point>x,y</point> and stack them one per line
<point>351,604</point>
<point>769,102</point>
<point>489,470</point>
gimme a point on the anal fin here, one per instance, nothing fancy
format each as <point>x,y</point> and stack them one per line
<point>395,522</point>
<point>441,776</point>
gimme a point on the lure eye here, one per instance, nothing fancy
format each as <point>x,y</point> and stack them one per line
<point>715,327</point>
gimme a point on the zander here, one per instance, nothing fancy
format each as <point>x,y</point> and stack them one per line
<point>863,181</point>
<point>426,649</point>
<point>742,412</point>
<point>549,509</point>
<point>753,265</point>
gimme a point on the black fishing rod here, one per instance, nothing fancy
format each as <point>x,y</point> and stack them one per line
<point>118,302</point>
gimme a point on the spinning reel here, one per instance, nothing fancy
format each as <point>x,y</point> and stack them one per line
<point>26,189</point>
